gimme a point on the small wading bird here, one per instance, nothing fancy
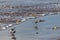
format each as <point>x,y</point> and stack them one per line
<point>37,32</point>
<point>14,38</point>
<point>54,28</point>
<point>10,25</point>
<point>12,29</point>
<point>18,21</point>
<point>13,32</point>
<point>3,28</point>
<point>36,21</point>
<point>39,21</point>
<point>36,27</point>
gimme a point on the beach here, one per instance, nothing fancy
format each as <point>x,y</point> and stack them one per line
<point>26,31</point>
<point>29,20</point>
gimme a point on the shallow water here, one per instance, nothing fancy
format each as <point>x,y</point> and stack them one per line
<point>26,31</point>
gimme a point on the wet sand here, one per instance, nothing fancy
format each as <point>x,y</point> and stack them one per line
<point>4,35</point>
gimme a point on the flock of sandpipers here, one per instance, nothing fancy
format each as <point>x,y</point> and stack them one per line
<point>13,18</point>
<point>15,21</point>
<point>12,33</point>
